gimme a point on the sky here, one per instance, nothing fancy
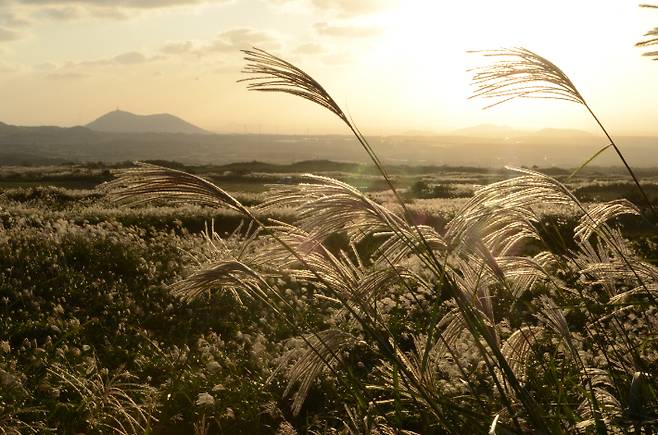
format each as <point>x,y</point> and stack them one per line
<point>396,66</point>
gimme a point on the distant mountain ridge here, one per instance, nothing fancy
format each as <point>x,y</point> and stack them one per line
<point>504,131</point>
<point>561,148</point>
<point>488,130</point>
<point>119,121</point>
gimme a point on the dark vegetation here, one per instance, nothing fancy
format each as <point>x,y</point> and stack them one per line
<point>591,184</point>
<point>445,303</point>
<point>83,295</point>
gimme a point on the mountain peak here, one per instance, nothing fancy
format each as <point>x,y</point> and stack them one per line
<point>487,130</point>
<point>119,121</point>
<point>566,132</point>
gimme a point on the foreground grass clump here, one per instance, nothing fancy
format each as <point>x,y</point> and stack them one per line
<point>497,323</point>
<point>341,315</point>
<point>93,342</point>
<point>87,315</point>
<point>424,331</point>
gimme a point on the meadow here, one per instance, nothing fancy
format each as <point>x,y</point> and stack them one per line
<point>362,299</point>
<point>93,340</point>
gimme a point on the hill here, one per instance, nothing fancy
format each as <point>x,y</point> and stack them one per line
<point>120,121</point>
<point>553,148</point>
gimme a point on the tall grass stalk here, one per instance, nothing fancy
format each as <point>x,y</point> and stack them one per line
<point>521,73</point>
<point>651,37</point>
<point>504,311</point>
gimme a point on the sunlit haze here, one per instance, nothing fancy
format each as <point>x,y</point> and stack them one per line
<point>396,67</point>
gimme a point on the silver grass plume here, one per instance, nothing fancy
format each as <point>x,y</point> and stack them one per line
<point>500,210</point>
<point>147,183</point>
<point>237,245</point>
<point>520,73</point>
<point>623,297</point>
<point>523,273</point>
<point>517,348</point>
<point>611,409</point>
<point>601,213</point>
<point>116,403</point>
<point>610,261</point>
<point>323,348</point>
<point>345,276</point>
<point>232,276</point>
<point>502,215</point>
<point>395,247</point>
<point>474,280</point>
<point>366,421</point>
<point>590,254</point>
<point>651,38</point>
<point>416,391</point>
<point>272,74</point>
<point>451,327</point>
<point>643,273</point>
<point>552,315</point>
<point>325,205</point>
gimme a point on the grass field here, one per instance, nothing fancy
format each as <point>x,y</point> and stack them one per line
<point>93,340</point>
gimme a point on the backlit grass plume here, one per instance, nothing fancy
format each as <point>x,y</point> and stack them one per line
<point>521,73</point>
<point>269,73</point>
<point>272,74</point>
<point>431,330</point>
<point>147,182</point>
<point>113,403</point>
<point>651,38</point>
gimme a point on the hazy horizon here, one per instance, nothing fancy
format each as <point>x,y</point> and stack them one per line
<point>484,130</point>
<point>396,67</point>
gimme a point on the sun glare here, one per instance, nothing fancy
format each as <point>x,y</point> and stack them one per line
<point>424,44</point>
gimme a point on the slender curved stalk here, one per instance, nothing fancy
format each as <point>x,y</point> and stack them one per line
<point>623,159</point>
<point>272,74</point>
<point>521,73</point>
<point>651,37</point>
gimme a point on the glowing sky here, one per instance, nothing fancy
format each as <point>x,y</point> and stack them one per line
<point>395,66</point>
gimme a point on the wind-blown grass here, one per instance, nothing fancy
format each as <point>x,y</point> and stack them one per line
<point>503,320</point>
<point>521,73</point>
<point>651,38</point>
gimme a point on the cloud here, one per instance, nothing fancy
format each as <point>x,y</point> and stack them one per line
<point>8,18</point>
<point>309,48</point>
<point>45,66</point>
<point>60,14</point>
<point>9,35</point>
<point>346,8</point>
<point>237,39</point>
<point>79,70</point>
<point>338,59</point>
<point>347,31</point>
<point>130,58</point>
<point>230,41</point>
<point>185,47</point>
<point>353,7</point>
<point>132,4</point>
<point>6,68</point>
<point>67,76</point>
<point>66,10</point>
<point>11,24</point>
